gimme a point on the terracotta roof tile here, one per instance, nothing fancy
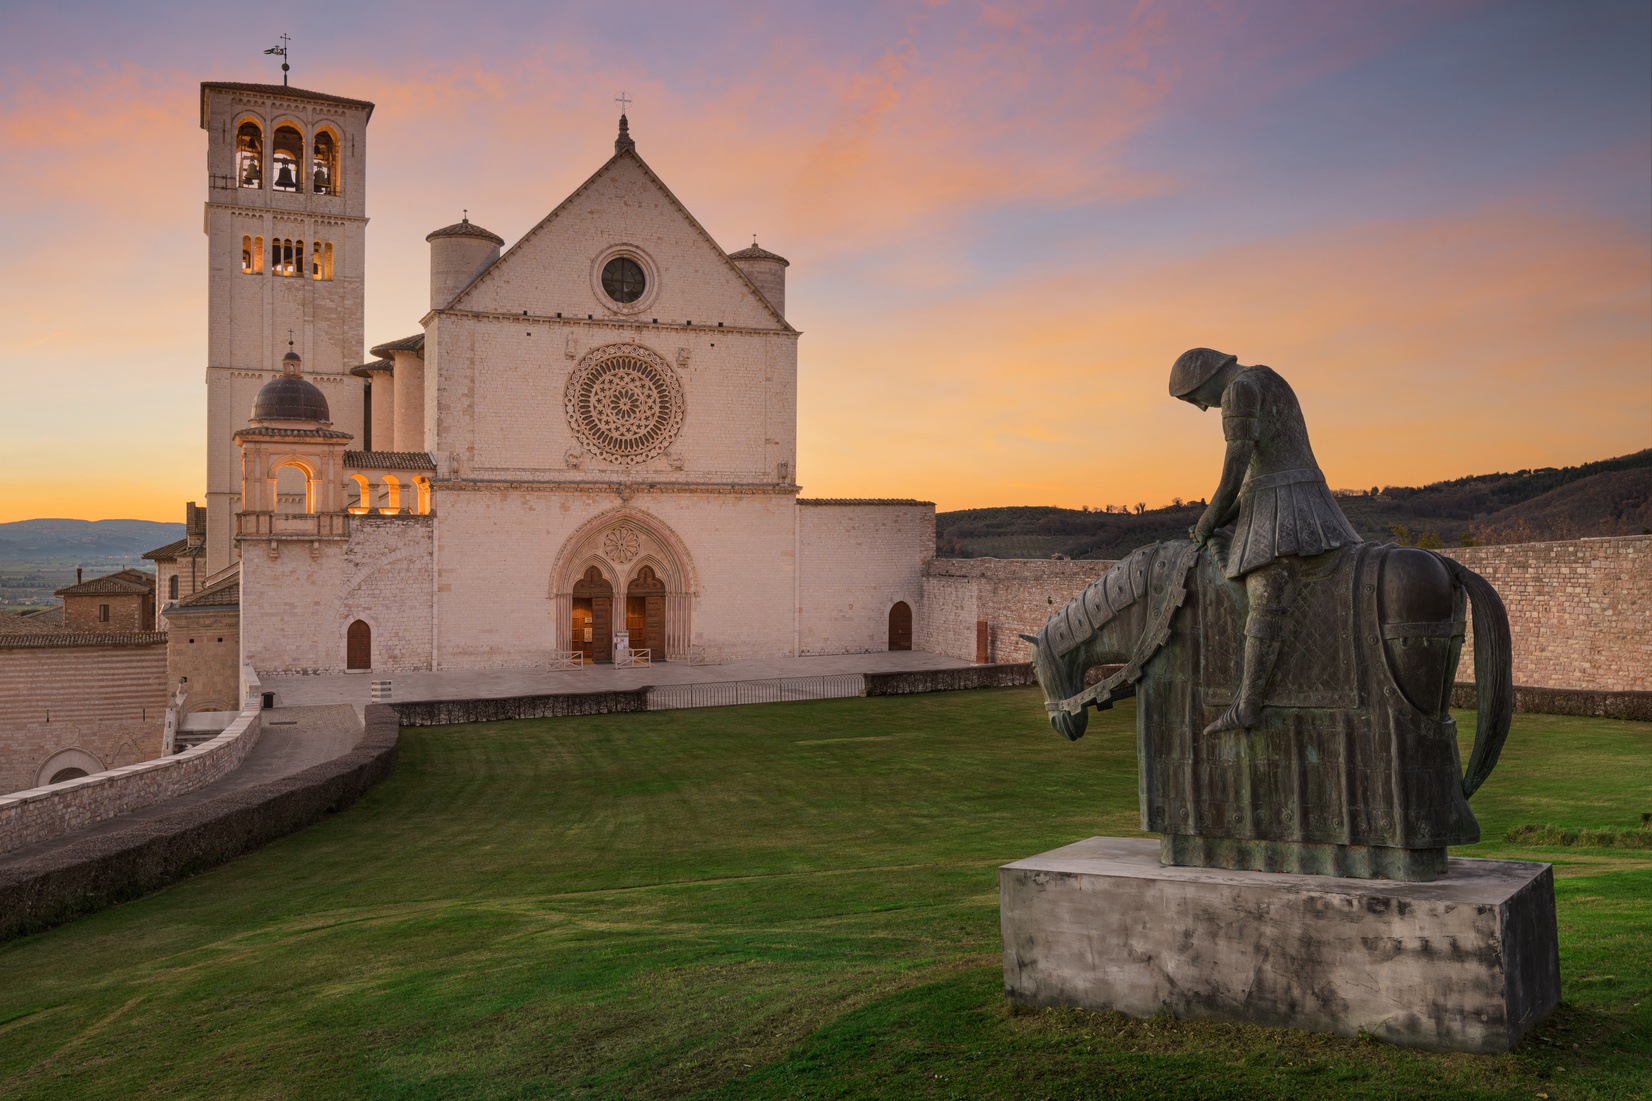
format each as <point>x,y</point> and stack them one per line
<point>124,583</point>
<point>218,595</point>
<point>466,228</point>
<point>364,371</point>
<point>414,343</point>
<point>279,90</point>
<point>179,549</point>
<point>755,253</point>
<point>389,460</point>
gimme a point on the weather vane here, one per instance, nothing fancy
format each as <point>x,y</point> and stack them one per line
<point>623,100</point>
<point>282,50</point>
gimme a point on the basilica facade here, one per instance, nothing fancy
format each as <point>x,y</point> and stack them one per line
<point>586,450</point>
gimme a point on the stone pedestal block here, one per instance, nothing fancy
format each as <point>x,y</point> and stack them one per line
<point>1468,962</point>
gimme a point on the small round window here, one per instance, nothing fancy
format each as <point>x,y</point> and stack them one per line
<point>623,279</point>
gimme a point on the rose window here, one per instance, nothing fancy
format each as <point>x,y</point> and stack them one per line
<point>625,403</point>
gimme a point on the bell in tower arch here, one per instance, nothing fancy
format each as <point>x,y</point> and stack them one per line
<point>284,179</point>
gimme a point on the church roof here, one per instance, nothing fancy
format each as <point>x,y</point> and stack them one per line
<point>276,90</point>
<point>174,551</point>
<point>301,433</point>
<point>48,622</point>
<point>366,369</point>
<point>755,253</point>
<point>291,397</point>
<point>466,228</point>
<point>414,343</point>
<point>389,460</point>
<point>222,594</point>
<point>124,583</point>
<point>624,146</point>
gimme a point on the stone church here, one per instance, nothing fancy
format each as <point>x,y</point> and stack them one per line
<point>586,449</point>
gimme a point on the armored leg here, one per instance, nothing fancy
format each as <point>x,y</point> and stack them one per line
<point>1272,590</point>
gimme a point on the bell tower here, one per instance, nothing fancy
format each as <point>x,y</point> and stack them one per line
<point>286,222</point>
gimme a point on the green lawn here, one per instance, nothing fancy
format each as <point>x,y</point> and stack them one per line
<point>796,900</point>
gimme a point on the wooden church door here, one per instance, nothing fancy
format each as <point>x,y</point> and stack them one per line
<point>358,646</point>
<point>900,626</point>
<point>593,616</point>
<point>645,613</point>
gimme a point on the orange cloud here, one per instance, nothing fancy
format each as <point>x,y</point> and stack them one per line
<point>1421,349</point>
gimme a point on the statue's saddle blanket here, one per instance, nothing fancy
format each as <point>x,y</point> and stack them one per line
<point>1319,666</point>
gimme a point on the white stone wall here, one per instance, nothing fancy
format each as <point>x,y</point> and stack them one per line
<point>856,559</point>
<point>499,546</point>
<point>297,606</point>
<point>500,360</point>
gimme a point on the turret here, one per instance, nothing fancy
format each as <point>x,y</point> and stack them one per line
<point>766,270</point>
<point>458,254</point>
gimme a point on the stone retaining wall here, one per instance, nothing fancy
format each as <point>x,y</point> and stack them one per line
<point>1634,706</point>
<point>100,871</point>
<point>40,814</point>
<point>558,706</point>
<point>950,680</point>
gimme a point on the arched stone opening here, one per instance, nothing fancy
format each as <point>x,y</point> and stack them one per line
<point>358,646</point>
<point>591,615</point>
<point>622,544</point>
<point>900,626</point>
<point>74,760</point>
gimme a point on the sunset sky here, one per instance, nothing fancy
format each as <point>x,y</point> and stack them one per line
<point>1004,220</point>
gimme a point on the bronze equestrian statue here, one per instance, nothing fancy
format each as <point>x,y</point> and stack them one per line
<point>1293,683</point>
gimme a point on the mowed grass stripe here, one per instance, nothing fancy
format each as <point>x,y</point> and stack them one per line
<point>688,902</point>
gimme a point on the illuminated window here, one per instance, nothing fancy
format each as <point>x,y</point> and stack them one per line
<point>249,155</point>
<point>392,495</point>
<point>422,485</point>
<point>258,255</point>
<point>324,163</point>
<point>327,265</point>
<point>246,254</point>
<point>315,260</point>
<point>298,258</point>
<point>287,158</point>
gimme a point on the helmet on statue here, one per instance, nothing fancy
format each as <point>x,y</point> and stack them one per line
<point>1194,368</point>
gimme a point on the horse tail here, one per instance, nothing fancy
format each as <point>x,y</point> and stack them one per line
<point>1493,674</point>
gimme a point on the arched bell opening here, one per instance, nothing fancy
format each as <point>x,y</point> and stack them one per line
<point>249,155</point>
<point>287,159</point>
<point>324,162</point>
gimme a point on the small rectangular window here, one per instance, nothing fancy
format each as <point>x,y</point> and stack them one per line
<point>258,255</point>
<point>103,613</point>
<point>172,587</point>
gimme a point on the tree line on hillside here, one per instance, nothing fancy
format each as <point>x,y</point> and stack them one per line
<point>1610,497</point>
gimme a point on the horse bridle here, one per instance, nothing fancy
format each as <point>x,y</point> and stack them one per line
<point>1155,636</point>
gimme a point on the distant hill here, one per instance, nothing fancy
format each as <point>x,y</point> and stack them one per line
<point>1611,497</point>
<point>52,539</point>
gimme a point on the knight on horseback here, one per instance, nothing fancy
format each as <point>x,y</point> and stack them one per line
<point>1273,492</point>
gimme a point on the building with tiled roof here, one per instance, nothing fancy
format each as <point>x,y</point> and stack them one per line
<point>587,441</point>
<point>118,602</point>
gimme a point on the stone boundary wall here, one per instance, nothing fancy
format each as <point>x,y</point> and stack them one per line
<point>40,814</point>
<point>557,706</point>
<point>97,872</point>
<point>976,608</point>
<point>950,680</point>
<point>1633,706</point>
<point>1580,610</point>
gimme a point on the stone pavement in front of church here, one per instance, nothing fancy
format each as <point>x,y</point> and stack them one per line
<point>463,684</point>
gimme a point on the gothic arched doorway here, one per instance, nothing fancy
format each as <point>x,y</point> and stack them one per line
<point>645,613</point>
<point>900,626</point>
<point>593,616</point>
<point>635,555</point>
